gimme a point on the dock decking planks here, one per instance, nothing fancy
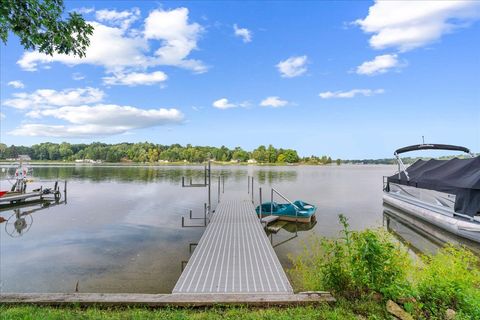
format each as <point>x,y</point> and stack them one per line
<point>234,255</point>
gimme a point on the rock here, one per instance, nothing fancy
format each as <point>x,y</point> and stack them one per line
<point>397,311</point>
<point>450,314</point>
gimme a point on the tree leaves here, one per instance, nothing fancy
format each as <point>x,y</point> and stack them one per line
<point>40,26</point>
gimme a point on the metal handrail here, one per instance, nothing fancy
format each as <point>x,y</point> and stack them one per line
<point>285,198</point>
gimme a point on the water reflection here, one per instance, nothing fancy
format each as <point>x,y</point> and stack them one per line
<point>21,219</point>
<point>173,174</point>
<point>272,176</point>
<point>421,237</point>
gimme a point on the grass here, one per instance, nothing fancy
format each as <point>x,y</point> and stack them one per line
<point>341,311</point>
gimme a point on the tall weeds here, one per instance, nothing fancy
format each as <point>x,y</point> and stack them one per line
<point>370,264</point>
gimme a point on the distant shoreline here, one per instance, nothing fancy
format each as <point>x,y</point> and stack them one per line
<point>181,163</point>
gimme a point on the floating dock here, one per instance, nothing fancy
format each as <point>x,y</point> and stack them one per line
<point>234,255</point>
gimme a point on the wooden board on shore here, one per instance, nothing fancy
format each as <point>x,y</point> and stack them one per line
<point>164,300</point>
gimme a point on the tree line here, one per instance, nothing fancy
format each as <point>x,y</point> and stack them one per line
<point>149,152</point>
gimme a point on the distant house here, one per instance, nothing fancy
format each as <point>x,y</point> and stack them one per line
<point>88,161</point>
<point>235,161</point>
<point>21,157</point>
<point>24,157</point>
<point>251,161</point>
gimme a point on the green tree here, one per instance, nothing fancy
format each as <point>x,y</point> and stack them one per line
<point>112,156</point>
<point>40,26</point>
<point>291,156</point>
<point>339,162</point>
<point>65,150</point>
<point>260,154</point>
<point>240,155</point>
<point>3,149</point>
<point>271,154</point>
<point>153,155</point>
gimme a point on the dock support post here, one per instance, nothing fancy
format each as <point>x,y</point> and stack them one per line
<point>65,191</point>
<point>209,187</point>
<point>218,198</point>
<point>252,191</point>
<point>205,214</point>
<point>248,187</point>
<point>271,202</point>
<point>205,173</point>
<point>223,184</point>
<point>260,206</point>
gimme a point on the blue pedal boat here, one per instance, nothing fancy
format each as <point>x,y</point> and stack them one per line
<point>298,211</point>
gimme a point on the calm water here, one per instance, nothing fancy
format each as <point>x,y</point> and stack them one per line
<point>120,230</point>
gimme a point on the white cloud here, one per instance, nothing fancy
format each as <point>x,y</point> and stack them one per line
<point>17,84</point>
<point>292,67</point>
<point>98,120</point>
<point>167,39</point>
<point>350,94</point>
<point>243,33</point>
<point>178,37</point>
<point>223,103</point>
<point>83,10</point>
<point>274,102</point>
<point>48,98</point>
<point>122,19</point>
<point>77,76</point>
<point>109,47</point>
<point>380,64</point>
<point>2,115</point>
<point>411,24</point>
<point>135,78</point>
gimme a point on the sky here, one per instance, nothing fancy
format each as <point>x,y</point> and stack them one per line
<point>351,79</point>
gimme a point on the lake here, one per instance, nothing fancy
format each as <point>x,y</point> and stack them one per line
<point>120,228</point>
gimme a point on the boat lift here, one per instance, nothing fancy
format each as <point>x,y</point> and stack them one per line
<point>18,193</point>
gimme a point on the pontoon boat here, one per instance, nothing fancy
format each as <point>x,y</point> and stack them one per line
<point>445,193</point>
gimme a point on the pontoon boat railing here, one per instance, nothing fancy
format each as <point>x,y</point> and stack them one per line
<point>401,165</point>
<point>432,146</point>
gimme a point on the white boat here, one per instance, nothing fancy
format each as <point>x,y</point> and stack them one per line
<point>445,193</point>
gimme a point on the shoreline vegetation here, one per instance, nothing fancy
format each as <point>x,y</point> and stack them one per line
<point>175,154</point>
<point>371,275</point>
<point>145,152</point>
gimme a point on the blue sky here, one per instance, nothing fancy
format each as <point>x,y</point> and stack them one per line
<point>347,79</point>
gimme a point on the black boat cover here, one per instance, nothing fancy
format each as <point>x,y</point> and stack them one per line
<point>460,177</point>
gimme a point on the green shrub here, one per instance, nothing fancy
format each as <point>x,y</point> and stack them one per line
<point>450,279</point>
<point>358,264</point>
<point>370,264</point>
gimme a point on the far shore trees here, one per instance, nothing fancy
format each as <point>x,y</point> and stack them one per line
<point>145,152</point>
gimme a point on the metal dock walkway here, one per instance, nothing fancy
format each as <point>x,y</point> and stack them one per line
<point>234,255</point>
